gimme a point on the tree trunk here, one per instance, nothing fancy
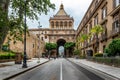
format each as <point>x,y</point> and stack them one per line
<point>4,28</point>
<point>97,42</point>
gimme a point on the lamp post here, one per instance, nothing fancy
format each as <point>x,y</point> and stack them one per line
<point>25,55</point>
<point>39,43</point>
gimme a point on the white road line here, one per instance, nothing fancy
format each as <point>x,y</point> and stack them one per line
<point>61,75</point>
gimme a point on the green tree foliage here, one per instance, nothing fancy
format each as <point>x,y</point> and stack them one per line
<point>107,51</point>
<point>13,21</point>
<point>69,45</point>
<point>50,46</point>
<point>84,37</point>
<point>77,52</point>
<point>114,47</point>
<point>96,30</point>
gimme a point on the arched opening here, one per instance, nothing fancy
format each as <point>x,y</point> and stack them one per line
<point>61,51</point>
<point>60,48</point>
<point>52,24</point>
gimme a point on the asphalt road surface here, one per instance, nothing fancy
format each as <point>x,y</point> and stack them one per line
<point>60,69</point>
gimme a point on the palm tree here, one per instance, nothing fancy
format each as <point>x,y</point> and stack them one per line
<point>84,37</point>
<point>96,30</point>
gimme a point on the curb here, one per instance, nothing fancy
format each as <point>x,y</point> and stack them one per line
<point>97,70</point>
<point>9,77</point>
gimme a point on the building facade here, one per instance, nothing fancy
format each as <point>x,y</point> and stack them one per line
<point>32,46</point>
<point>60,31</point>
<point>100,12</point>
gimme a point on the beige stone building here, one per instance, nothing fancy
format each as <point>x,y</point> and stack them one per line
<point>105,13</point>
<point>32,46</point>
<point>60,31</point>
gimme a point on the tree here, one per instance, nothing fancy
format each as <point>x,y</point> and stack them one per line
<point>84,37</point>
<point>114,47</point>
<point>70,46</point>
<point>95,31</point>
<point>3,20</point>
<point>13,22</point>
<point>50,46</point>
<point>77,52</point>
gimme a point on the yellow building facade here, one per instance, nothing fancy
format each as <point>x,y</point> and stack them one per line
<point>100,12</point>
<point>32,46</point>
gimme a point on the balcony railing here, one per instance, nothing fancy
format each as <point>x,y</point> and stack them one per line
<point>115,32</point>
<point>103,37</point>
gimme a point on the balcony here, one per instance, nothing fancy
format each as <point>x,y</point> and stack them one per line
<point>115,28</point>
<point>115,32</point>
<point>103,37</point>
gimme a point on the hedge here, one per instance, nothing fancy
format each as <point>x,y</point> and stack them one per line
<point>7,55</point>
<point>98,55</point>
<point>107,60</point>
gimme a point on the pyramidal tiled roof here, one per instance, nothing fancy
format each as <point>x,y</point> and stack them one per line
<point>61,11</point>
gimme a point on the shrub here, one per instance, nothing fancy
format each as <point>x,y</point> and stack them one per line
<point>98,55</point>
<point>107,51</point>
<point>114,47</point>
<point>5,47</point>
<point>76,52</point>
<point>7,55</point>
<point>107,60</point>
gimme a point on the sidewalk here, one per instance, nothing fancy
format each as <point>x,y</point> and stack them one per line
<point>113,71</point>
<point>10,68</point>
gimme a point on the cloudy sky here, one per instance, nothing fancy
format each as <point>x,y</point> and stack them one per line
<point>75,9</point>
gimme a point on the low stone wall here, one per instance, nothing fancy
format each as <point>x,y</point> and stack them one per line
<point>6,60</point>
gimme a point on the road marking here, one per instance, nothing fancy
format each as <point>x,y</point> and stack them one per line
<point>61,76</point>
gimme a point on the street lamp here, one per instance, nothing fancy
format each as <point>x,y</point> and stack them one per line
<point>39,43</point>
<point>25,55</point>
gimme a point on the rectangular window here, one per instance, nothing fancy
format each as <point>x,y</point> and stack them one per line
<point>89,13</point>
<point>96,20</point>
<point>104,12</point>
<point>33,45</point>
<point>116,26</point>
<point>86,30</point>
<point>105,29</point>
<point>116,22</point>
<point>90,26</point>
<point>116,3</point>
<point>96,2</point>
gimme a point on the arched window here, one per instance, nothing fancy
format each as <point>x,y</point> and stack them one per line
<point>65,23</point>
<point>57,24</point>
<point>52,24</point>
<point>70,23</point>
<point>61,24</point>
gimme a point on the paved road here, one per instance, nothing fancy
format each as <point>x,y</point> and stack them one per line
<point>59,69</point>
